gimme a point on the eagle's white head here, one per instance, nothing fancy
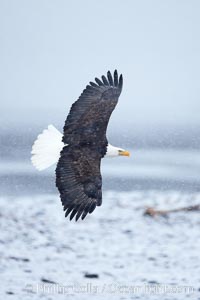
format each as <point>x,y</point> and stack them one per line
<point>115,151</point>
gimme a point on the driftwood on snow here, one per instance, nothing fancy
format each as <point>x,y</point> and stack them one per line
<point>152,212</point>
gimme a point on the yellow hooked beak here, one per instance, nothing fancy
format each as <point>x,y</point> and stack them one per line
<point>124,153</point>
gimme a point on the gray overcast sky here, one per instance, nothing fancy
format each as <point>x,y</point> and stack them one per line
<point>51,49</point>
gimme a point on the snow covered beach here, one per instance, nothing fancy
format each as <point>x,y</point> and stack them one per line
<point>115,252</point>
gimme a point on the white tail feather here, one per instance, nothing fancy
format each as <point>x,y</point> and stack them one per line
<point>46,148</point>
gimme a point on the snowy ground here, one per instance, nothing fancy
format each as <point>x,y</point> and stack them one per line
<point>128,255</point>
<point>45,256</point>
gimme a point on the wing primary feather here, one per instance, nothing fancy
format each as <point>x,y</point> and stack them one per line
<point>100,83</point>
<point>73,214</point>
<point>120,82</point>
<point>79,213</point>
<point>93,84</point>
<point>69,210</point>
<point>85,211</point>
<point>84,215</point>
<point>105,81</point>
<point>115,78</point>
<point>110,79</point>
<point>87,208</point>
<point>92,208</point>
<point>89,87</point>
<point>65,206</point>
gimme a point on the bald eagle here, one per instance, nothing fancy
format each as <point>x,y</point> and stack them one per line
<point>78,152</point>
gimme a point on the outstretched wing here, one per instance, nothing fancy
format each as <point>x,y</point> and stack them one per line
<point>79,181</point>
<point>89,115</point>
<point>78,176</point>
